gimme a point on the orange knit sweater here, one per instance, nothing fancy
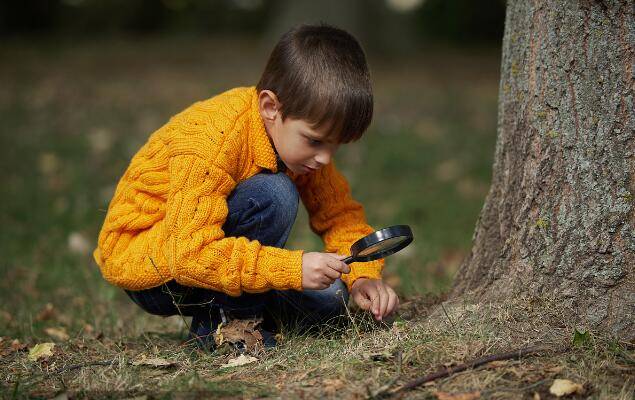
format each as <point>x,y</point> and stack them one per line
<point>164,221</point>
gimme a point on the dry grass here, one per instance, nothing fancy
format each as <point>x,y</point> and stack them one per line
<point>355,361</point>
<point>73,114</point>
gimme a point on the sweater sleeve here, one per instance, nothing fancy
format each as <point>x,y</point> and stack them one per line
<point>197,251</point>
<point>337,217</point>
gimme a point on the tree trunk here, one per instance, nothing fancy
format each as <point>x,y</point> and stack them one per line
<point>559,218</point>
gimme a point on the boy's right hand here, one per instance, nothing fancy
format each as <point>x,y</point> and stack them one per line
<point>320,270</point>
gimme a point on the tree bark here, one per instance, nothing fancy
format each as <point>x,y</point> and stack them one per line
<point>559,218</point>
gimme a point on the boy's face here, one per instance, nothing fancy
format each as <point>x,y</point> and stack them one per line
<point>300,147</point>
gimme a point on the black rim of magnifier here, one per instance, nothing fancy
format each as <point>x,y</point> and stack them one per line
<point>378,237</point>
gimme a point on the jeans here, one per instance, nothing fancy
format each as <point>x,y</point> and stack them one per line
<point>263,208</point>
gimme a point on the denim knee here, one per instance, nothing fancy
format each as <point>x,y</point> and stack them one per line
<point>281,192</point>
<point>263,208</point>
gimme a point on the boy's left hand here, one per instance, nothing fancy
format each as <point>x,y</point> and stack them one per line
<point>376,296</point>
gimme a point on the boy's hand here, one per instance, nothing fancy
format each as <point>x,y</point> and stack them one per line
<point>320,270</point>
<point>374,295</point>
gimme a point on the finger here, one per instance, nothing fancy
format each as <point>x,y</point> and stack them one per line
<point>384,298</point>
<point>346,269</point>
<point>324,283</point>
<point>330,273</point>
<point>339,266</point>
<point>328,280</point>
<point>392,303</point>
<point>375,308</point>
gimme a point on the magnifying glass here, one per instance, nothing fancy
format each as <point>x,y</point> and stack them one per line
<point>380,244</point>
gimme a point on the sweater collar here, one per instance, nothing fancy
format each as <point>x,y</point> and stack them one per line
<point>264,153</point>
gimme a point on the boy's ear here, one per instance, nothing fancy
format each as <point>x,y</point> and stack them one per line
<point>268,105</point>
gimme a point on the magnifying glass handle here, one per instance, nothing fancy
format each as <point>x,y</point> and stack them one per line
<point>348,259</point>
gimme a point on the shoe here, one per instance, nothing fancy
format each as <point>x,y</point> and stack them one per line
<point>205,343</point>
<point>268,339</point>
<point>202,328</point>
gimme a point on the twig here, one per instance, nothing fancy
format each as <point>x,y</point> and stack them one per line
<point>451,322</point>
<point>384,389</point>
<point>78,366</point>
<point>57,372</point>
<point>444,372</point>
<point>171,295</point>
<point>348,312</point>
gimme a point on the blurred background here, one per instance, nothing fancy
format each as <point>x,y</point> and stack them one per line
<point>83,83</point>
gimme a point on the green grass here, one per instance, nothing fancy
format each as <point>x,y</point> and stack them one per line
<point>74,113</point>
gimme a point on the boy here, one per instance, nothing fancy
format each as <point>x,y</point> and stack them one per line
<point>198,222</point>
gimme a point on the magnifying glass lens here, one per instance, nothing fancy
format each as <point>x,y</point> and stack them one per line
<point>382,246</point>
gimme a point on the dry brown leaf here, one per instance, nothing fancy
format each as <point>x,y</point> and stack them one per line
<point>383,356</point>
<point>46,313</point>
<point>78,243</point>
<point>238,361</point>
<point>57,333</point>
<point>240,330</point>
<point>563,387</point>
<point>16,345</point>
<point>536,396</point>
<point>458,396</point>
<point>556,369</point>
<point>41,350</point>
<point>154,362</point>
<point>331,386</point>
<point>7,348</point>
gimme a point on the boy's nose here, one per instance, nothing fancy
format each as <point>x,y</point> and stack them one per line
<point>323,159</point>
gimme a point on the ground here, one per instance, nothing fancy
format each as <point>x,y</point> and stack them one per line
<point>74,112</point>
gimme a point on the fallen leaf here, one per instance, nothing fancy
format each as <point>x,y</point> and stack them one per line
<point>154,362</point>
<point>7,348</point>
<point>57,333</point>
<point>240,331</point>
<point>41,350</point>
<point>536,396</point>
<point>88,329</point>
<point>78,243</point>
<point>556,369</point>
<point>563,387</point>
<point>49,163</point>
<point>238,361</point>
<point>46,313</point>
<point>17,346</point>
<point>331,386</point>
<point>458,396</point>
<point>100,140</point>
<point>61,396</point>
<point>383,356</point>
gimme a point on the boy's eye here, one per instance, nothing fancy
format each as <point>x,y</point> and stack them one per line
<point>314,142</point>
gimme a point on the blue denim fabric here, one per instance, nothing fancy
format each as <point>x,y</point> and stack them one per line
<point>261,208</point>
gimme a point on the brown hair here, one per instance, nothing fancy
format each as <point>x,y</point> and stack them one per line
<point>319,74</point>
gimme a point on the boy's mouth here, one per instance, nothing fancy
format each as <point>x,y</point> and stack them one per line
<point>309,169</point>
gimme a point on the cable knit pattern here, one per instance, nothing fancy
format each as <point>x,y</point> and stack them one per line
<point>166,216</point>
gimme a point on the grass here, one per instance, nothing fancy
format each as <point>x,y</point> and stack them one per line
<point>75,112</point>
